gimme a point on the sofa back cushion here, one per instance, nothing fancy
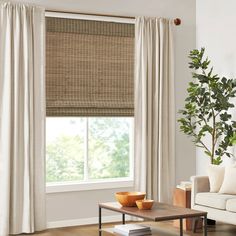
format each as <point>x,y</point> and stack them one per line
<point>229,183</point>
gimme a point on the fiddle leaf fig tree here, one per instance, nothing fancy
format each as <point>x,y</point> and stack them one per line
<point>206,111</point>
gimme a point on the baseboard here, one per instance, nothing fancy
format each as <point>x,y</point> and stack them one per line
<point>87,221</point>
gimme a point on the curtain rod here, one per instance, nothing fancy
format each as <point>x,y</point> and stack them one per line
<point>177,21</point>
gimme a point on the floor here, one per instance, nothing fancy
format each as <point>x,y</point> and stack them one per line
<point>163,229</point>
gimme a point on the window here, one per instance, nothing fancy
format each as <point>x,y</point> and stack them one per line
<point>85,149</point>
<point>89,100</point>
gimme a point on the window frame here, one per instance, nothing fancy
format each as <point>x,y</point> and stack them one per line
<point>90,185</point>
<point>87,184</point>
<point>99,184</point>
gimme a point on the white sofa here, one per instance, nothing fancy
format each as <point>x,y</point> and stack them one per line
<point>220,207</point>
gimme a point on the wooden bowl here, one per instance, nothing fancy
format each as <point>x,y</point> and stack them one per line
<point>144,204</point>
<point>128,199</point>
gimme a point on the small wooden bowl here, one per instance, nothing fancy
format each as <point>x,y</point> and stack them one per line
<point>144,204</point>
<point>128,199</point>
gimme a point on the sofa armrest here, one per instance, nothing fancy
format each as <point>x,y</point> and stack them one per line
<point>199,184</point>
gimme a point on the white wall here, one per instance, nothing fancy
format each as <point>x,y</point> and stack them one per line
<point>78,205</point>
<point>74,205</point>
<point>216,31</point>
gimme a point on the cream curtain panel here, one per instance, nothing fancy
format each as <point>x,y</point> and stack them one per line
<point>22,114</point>
<point>154,108</point>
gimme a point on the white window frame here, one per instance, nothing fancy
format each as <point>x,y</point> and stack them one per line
<point>91,185</point>
<point>87,184</point>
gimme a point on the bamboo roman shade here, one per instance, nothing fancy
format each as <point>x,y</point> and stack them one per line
<point>89,68</point>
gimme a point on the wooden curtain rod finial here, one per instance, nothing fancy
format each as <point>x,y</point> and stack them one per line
<point>177,21</point>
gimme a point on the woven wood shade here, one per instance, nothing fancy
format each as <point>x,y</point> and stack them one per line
<point>89,68</point>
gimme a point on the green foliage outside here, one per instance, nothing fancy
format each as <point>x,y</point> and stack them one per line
<point>108,148</point>
<point>206,111</point>
<point>108,152</point>
<point>65,159</point>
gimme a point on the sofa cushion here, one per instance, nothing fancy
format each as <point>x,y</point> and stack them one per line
<point>229,183</point>
<point>231,205</point>
<point>214,200</point>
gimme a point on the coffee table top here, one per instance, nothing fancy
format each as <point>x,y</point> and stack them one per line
<point>159,211</point>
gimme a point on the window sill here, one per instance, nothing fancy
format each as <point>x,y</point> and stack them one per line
<point>91,185</point>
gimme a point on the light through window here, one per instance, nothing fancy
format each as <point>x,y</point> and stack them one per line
<point>83,149</point>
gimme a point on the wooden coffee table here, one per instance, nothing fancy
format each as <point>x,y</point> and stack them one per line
<point>159,212</point>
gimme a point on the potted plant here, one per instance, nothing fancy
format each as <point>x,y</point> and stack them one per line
<point>206,110</point>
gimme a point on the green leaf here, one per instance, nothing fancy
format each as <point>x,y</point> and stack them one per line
<point>217,161</point>
<point>207,153</point>
<point>233,139</point>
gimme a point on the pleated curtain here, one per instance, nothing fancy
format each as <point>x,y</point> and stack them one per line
<point>154,108</point>
<point>22,119</point>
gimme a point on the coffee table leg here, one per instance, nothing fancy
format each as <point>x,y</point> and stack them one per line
<point>123,219</point>
<point>100,221</point>
<point>205,225</point>
<point>181,226</point>
<point>194,224</point>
